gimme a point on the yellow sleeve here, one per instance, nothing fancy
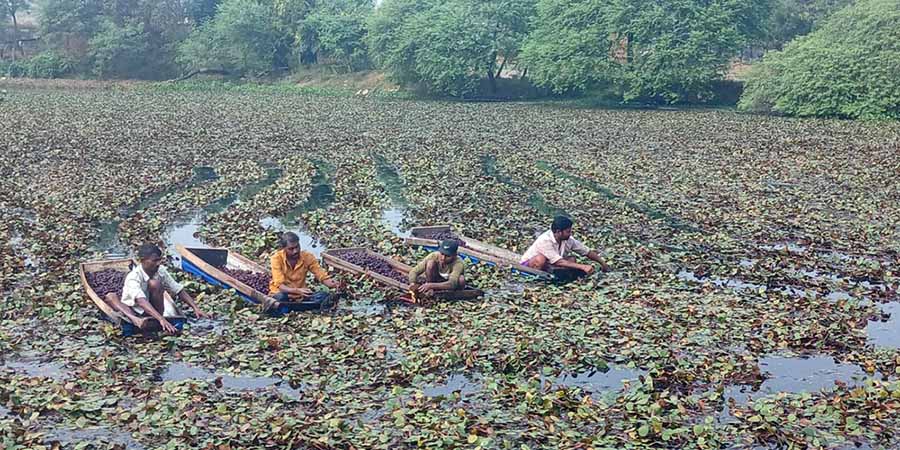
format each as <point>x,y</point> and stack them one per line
<point>314,267</point>
<point>277,274</point>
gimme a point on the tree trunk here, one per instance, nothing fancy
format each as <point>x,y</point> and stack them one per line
<point>493,81</point>
<point>500,70</point>
<point>16,44</point>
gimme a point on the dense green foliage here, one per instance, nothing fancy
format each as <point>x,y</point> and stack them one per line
<point>240,38</point>
<point>792,18</point>
<point>113,40</point>
<point>679,51</point>
<point>645,51</point>
<point>849,67</point>
<point>448,47</point>
<point>336,31</point>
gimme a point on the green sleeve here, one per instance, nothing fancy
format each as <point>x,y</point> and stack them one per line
<point>457,271</point>
<point>416,271</point>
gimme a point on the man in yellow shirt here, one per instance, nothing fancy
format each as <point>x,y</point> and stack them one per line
<point>289,268</point>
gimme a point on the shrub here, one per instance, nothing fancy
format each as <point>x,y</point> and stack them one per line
<point>848,68</point>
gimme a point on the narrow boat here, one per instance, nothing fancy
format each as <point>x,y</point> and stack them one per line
<point>209,264</point>
<point>474,250</point>
<point>118,313</point>
<point>337,258</point>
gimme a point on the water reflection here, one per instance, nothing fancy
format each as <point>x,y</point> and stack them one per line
<point>181,372</point>
<point>886,333</point>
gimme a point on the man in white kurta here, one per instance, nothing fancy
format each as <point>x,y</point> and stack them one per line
<point>556,248</point>
<point>146,285</point>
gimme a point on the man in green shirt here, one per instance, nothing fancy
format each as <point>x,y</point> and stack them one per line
<point>443,270</point>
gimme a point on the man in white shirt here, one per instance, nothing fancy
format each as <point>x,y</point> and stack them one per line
<point>145,287</point>
<point>553,249</point>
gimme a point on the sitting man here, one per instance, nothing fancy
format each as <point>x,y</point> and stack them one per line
<point>443,270</point>
<point>551,250</point>
<point>146,285</point>
<point>289,268</point>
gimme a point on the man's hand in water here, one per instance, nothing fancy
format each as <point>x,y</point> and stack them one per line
<point>167,327</point>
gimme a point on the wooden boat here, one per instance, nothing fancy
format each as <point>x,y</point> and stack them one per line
<point>206,264</point>
<point>118,313</point>
<point>475,251</point>
<point>334,258</point>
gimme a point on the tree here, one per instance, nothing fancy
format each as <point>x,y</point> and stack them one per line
<point>242,38</point>
<point>11,9</point>
<point>792,18</point>
<point>202,10</point>
<point>847,68</point>
<point>449,47</point>
<point>652,51</point>
<point>337,30</point>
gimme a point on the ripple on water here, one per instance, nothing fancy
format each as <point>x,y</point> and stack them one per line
<point>181,372</point>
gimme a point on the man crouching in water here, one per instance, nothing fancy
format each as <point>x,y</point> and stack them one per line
<point>146,285</point>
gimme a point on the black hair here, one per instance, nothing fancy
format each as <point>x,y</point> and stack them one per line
<point>560,223</point>
<point>288,238</point>
<point>148,250</point>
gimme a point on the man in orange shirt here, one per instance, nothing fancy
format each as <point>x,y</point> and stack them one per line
<point>289,268</point>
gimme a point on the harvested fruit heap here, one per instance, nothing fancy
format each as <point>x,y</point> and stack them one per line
<point>444,236</point>
<point>374,264</point>
<point>106,281</point>
<point>257,280</point>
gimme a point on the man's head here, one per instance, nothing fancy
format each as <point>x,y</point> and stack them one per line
<point>290,242</point>
<point>561,228</point>
<point>448,250</point>
<point>150,257</point>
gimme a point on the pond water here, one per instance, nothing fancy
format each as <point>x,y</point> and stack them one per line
<point>109,241</point>
<point>456,383</point>
<point>184,229</point>
<point>96,435</point>
<point>598,382</point>
<point>797,374</point>
<point>393,218</point>
<point>321,196</point>
<point>180,372</point>
<point>207,326</point>
<point>886,333</point>
<point>36,368</point>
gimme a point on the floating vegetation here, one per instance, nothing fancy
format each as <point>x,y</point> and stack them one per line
<point>774,326</point>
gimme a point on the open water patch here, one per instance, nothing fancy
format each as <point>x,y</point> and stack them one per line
<point>798,374</point>
<point>182,372</point>
<point>94,435</point>
<point>886,331</point>
<point>36,368</point>
<point>456,383</point>
<point>598,381</point>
